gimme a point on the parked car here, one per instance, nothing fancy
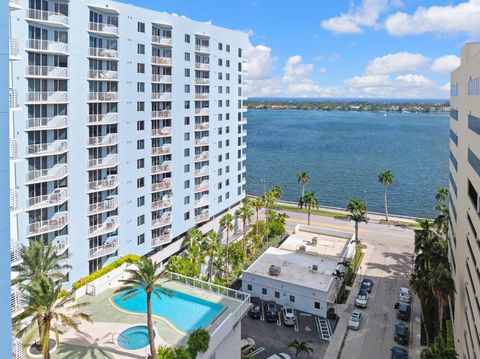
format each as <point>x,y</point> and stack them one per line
<point>255,310</point>
<point>288,316</point>
<point>404,295</point>
<point>355,320</point>
<point>279,356</point>
<point>399,353</point>
<point>247,345</point>
<point>367,284</point>
<point>402,333</point>
<point>403,311</point>
<point>362,299</point>
<point>271,311</point>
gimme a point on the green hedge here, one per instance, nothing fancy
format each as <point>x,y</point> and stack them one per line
<point>129,258</point>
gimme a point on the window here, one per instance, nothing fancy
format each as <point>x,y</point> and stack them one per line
<point>141,49</point>
<point>141,27</point>
<point>187,56</point>
<point>317,305</point>
<point>140,182</point>
<point>187,72</point>
<point>219,199</point>
<point>227,63</point>
<point>186,152</point>
<point>140,106</point>
<point>140,125</point>
<point>140,163</point>
<point>227,182</point>
<point>227,48</point>
<point>277,294</point>
<point>264,291</point>
<point>227,77</point>
<point>220,130</point>
<point>186,184</point>
<point>187,105</point>
<point>140,86</point>
<point>186,121</point>
<point>186,168</point>
<point>140,144</point>
<point>219,172</point>
<point>141,220</point>
<point>186,136</point>
<point>227,195</point>
<point>220,89</point>
<point>292,298</point>
<point>220,103</point>
<point>187,38</point>
<point>140,201</point>
<point>140,239</point>
<point>219,75</point>
<point>220,144</point>
<point>186,216</point>
<point>220,46</point>
<point>186,200</point>
<point>140,68</point>
<point>239,52</point>
<point>249,287</point>
<point>220,62</point>
<point>187,88</point>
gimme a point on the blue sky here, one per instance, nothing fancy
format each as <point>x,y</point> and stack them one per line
<point>360,48</point>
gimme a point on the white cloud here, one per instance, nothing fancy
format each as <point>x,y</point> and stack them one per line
<point>295,69</point>
<point>446,64</point>
<point>446,88</point>
<point>398,62</point>
<point>259,62</point>
<point>322,69</point>
<point>460,18</point>
<point>368,81</point>
<point>414,81</point>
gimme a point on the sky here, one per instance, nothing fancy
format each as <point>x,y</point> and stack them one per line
<point>339,48</point>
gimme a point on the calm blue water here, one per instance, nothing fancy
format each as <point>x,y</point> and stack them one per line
<point>344,151</point>
<point>134,338</point>
<point>187,313</point>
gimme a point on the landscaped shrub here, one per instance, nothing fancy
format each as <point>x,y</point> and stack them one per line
<point>450,339</point>
<point>129,258</point>
<point>276,228</point>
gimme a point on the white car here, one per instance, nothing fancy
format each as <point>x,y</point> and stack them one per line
<point>355,320</point>
<point>288,316</point>
<point>247,345</point>
<point>279,356</point>
<point>362,299</point>
<point>404,295</point>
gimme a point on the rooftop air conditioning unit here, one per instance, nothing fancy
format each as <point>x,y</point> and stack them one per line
<point>302,248</point>
<point>314,268</point>
<point>274,270</point>
<point>314,241</point>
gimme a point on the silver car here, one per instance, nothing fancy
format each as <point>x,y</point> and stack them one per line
<point>288,316</point>
<point>404,295</point>
<point>355,320</point>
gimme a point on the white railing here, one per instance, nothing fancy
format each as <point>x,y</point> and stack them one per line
<point>162,114</point>
<point>200,48</point>
<point>101,119</point>
<point>244,108</point>
<point>202,111</point>
<point>162,186</point>
<point>204,126</point>
<point>158,96</point>
<point>101,27</point>
<point>55,173</point>
<point>202,217</point>
<point>58,196</point>
<point>159,222</point>
<point>202,171</point>
<point>163,150</point>
<point>48,16</point>
<point>105,249</point>
<point>202,96</point>
<point>47,123</point>
<point>16,300</point>
<point>13,98</point>
<point>161,78</point>
<point>103,96</point>
<point>46,149</point>
<point>109,225</point>
<point>102,52</point>
<point>47,71</point>
<point>49,97</point>
<point>104,206</point>
<point>14,4</point>
<point>243,133</point>
<point>102,185</point>
<point>166,167</point>
<point>164,131</point>
<point>202,81</point>
<point>47,45</point>
<point>61,244</point>
<point>13,199</point>
<point>202,66</point>
<point>161,240</point>
<point>14,49</point>
<point>162,40</point>
<point>13,146</point>
<point>15,253</point>
<point>201,141</point>
<point>110,139</point>
<point>57,222</point>
<point>160,60</point>
<point>202,186</point>
<point>109,161</point>
<point>103,74</point>
<point>203,201</point>
<point>160,204</point>
<point>202,156</point>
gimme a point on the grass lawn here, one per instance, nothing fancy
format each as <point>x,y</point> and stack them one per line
<point>313,211</point>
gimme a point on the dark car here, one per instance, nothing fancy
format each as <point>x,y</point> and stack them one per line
<point>403,311</point>
<point>367,284</point>
<point>399,353</point>
<point>255,310</point>
<point>271,311</point>
<point>402,333</point>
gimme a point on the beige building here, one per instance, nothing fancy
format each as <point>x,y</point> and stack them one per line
<point>464,200</point>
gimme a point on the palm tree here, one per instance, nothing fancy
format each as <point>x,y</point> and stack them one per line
<point>226,223</point>
<point>166,353</point>
<point>212,247</point>
<point>442,207</point>
<point>438,350</point>
<point>358,214</point>
<point>196,256</point>
<point>442,195</point>
<point>442,287</point>
<point>245,214</point>
<point>308,201</point>
<point>198,342</point>
<point>303,178</point>
<point>277,193</point>
<point>44,302</point>
<point>146,278</point>
<point>387,179</point>
<point>194,236</point>
<point>257,204</point>
<point>301,347</point>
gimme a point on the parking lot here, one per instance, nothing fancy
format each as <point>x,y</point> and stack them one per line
<point>274,337</point>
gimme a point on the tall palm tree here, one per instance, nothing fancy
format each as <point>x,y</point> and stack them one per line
<point>43,300</point>
<point>193,237</point>
<point>245,214</point>
<point>145,278</point>
<point>301,347</point>
<point>387,179</point>
<point>277,193</point>
<point>438,350</point>
<point>196,255</point>
<point>212,247</point>
<point>308,201</point>
<point>442,207</point>
<point>442,287</point>
<point>226,223</point>
<point>257,204</point>
<point>442,195</point>
<point>303,178</point>
<point>358,214</point>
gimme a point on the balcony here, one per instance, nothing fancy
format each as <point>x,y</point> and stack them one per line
<point>160,60</point>
<point>243,121</point>
<point>202,202</point>
<point>201,141</point>
<point>244,108</point>
<point>13,200</point>
<point>56,223</point>
<point>108,54</point>
<point>243,157</point>
<point>200,48</point>
<point>200,81</point>
<point>243,133</point>
<point>202,187</point>
<point>202,111</point>
<point>202,96</point>
<point>55,173</point>
<point>165,96</point>
<point>107,75</point>
<point>202,171</point>
<point>110,160</point>
<point>53,72</point>
<point>162,114</point>
<point>61,244</point>
<point>47,149</point>
<point>104,29</point>
<point>202,156</point>
<point>110,204</point>
<point>47,97</point>
<point>161,240</point>
<point>47,17</point>
<point>165,167</point>
<point>56,198</point>
<point>15,257</point>
<point>104,96</point>
<point>165,79</point>
<point>54,47</point>
<point>161,222</point>
<point>13,147</point>
<point>162,204</point>
<point>103,185</point>
<point>162,132</point>
<point>204,126</point>
<point>110,247</point>
<point>14,5</point>
<point>110,139</point>
<point>13,99</point>
<point>162,40</point>
<point>46,123</point>
<point>202,217</point>
<point>14,49</point>
<point>103,119</point>
<point>202,66</point>
<point>16,301</point>
<point>108,226</point>
<point>164,185</point>
<point>163,150</point>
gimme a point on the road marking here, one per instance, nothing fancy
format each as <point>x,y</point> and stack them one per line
<point>255,352</point>
<point>323,224</point>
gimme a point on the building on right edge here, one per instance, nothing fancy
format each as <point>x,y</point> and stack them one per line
<point>465,201</point>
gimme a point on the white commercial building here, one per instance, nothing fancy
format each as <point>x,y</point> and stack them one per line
<point>301,272</point>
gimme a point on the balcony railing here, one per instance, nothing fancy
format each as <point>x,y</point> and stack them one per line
<point>202,156</point>
<point>14,4</point>
<point>15,254</point>
<point>200,48</point>
<point>202,186</point>
<point>161,240</point>
<point>160,60</point>
<point>55,18</point>
<point>166,167</point>
<point>14,50</point>
<point>56,223</point>
<point>13,146</point>
<point>103,74</point>
<point>160,204</point>
<point>161,186</point>
<point>202,111</point>
<point>13,200</point>
<point>13,98</point>
<point>202,66</point>
<point>61,244</point>
<point>163,150</point>
<point>162,78</point>
<point>107,29</point>
<point>202,171</point>
<point>47,123</point>
<point>202,81</point>
<point>110,139</point>
<point>162,114</point>
<point>106,96</point>
<point>102,52</point>
<point>161,40</point>
<point>47,97</point>
<point>57,197</point>
<point>160,222</point>
<point>202,141</point>
<point>157,96</point>
<point>202,96</point>
<point>204,216</point>
<point>47,46</point>
<point>109,225</point>
<point>16,300</point>
<point>110,160</point>
<point>161,132</point>
<point>103,119</point>
<point>105,249</point>
<point>47,71</point>
<point>47,149</point>
<point>104,206</point>
<point>203,201</point>
<point>55,173</point>
<point>103,185</point>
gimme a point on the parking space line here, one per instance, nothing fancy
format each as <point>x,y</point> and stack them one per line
<point>255,352</point>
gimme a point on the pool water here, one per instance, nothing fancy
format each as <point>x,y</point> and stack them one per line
<point>134,338</point>
<point>184,311</point>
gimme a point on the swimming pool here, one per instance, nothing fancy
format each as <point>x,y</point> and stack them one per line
<point>184,311</point>
<point>134,338</point>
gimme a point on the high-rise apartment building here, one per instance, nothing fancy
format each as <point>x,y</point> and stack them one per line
<point>127,127</point>
<point>465,201</point>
